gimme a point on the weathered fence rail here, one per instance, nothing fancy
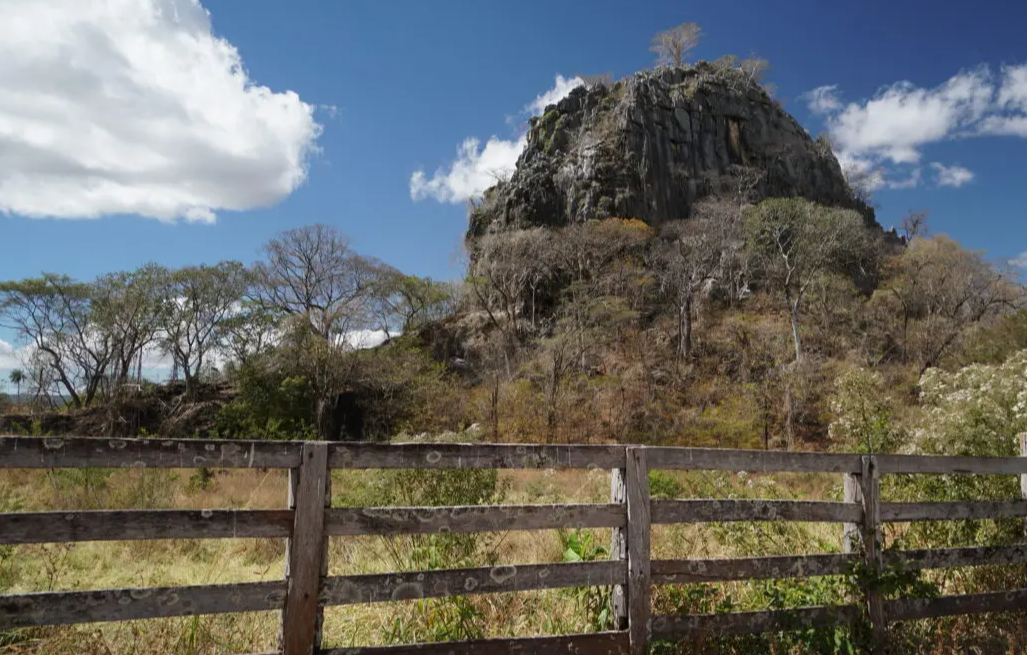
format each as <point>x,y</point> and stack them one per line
<point>310,520</point>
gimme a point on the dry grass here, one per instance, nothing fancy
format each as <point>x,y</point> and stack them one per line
<point>189,562</point>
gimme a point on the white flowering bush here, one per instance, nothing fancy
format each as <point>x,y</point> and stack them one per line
<point>863,418</point>
<point>976,411</point>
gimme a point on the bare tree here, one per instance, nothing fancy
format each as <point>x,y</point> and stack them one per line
<point>55,314</point>
<point>127,308</point>
<point>312,272</point>
<point>687,260</point>
<point>934,293</point>
<point>797,240</point>
<point>914,225</point>
<point>673,45</point>
<point>198,305</point>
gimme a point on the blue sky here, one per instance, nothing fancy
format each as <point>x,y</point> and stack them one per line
<point>382,89</point>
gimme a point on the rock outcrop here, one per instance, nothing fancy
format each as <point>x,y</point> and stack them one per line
<point>652,145</point>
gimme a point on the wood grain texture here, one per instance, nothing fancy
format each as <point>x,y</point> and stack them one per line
<point>70,607</point>
<point>953,510</point>
<point>636,484</point>
<point>619,550</point>
<point>906,609</point>
<point>601,643</point>
<point>386,587</point>
<point>474,456</point>
<point>681,571</point>
<point>470,518</point>
<point>84,452</point>
<point>299,626</point>
<point>717,459</point>
<point>698,626</point>
<point>872,540</point>
<point>948,558</point>
<point>130,525</point>
<point>939,464</point>
<point>719,511</point>
<point>852,533</point>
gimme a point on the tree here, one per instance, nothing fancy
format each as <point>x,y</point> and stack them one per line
<point>671,46</point>
<point>198,305</point>
<point>128,308</point>
<point>17,376</point>
<point>401,303</point>
<point>934,293</point>
<point>687,259</point>
<point>312,272</point>
<point>55,314</point>
<point>797,240</point>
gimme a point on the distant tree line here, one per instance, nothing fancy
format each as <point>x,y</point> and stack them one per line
<point>87,340</point>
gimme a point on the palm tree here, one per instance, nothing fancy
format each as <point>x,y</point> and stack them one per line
<point>16,377</point>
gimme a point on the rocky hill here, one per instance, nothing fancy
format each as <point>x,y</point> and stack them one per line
<point>650,146</point>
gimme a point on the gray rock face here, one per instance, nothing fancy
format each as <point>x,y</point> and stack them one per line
<point>652,145</point>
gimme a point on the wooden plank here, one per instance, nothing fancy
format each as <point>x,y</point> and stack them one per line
<point>907,609</point>
<point>953,510</point>
<point>948,558</point>
<point>722,511</point>
<point>386,587</point>
<point>941,464</point>
<point>69,607</point>
<point>84,452</point>
<point>470,518</point>
<point>619,551</point>
<point>600,643</point>
<point>1022,443</point>
<point>293,486</point>
<point>718,459</point>
<point>474,456</point>
<point>636,484</point>
<point>681,571</point>
<point>128,525</point>
<point>693,626</point>
<point>300,622</point>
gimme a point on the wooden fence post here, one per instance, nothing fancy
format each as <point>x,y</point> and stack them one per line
<point>618,551</point>
<point>870,482</point>
<point>306,553</point>
<point>852,533</point>
<point>637,494</point>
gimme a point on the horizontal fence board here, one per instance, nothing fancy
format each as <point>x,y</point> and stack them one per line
<point>908,609</point>
<point>128,525</point>
<point>953,510</point>
<point>470,518</point>
<point>682,571</point>
<point>947,558</point>
<point>84,452</point>
<point>68,607</point>
<point>601,643</point>
<point>385,587</point>
<point>685,626</point>
<point>718,511</point>
<point>473,456</point>
<point>718,459</point>
<point>941,464</point>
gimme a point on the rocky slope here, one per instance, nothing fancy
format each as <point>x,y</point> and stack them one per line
<point>652,145</point>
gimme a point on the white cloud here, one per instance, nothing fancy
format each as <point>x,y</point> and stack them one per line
<point>475,168</point>
<point>954,176</point>
<point>900,119</point>
<point>561,88</point>
<point>823,99</point>
<point>136,107</point>
<point>910,182</point>
<point>894,126</point>
<point>1020,261</point>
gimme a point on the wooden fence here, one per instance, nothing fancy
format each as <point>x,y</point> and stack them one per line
<point>310,520</point>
